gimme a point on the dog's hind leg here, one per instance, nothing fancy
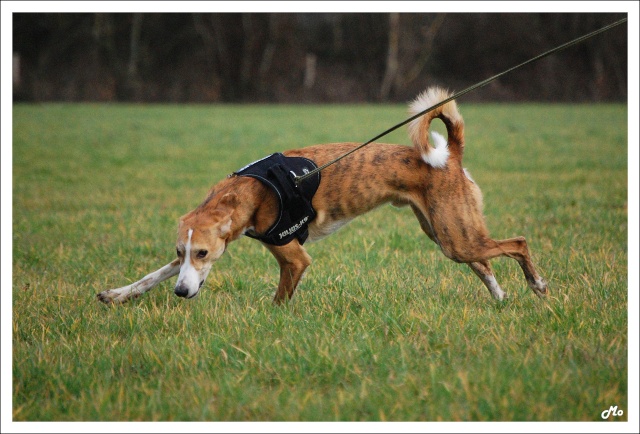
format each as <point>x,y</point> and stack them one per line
<point>516,248</point>
<point>482,269</point>
<point>135,290</point>
<point>293,260</point>
<point>477,253</point>
<point>424,223</point>
<point>484,272</point>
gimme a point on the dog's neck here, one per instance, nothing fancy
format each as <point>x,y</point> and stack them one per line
<point>251,194</point>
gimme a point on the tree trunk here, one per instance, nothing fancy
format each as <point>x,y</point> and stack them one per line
<point>133,83</point>
<point>392,56</point>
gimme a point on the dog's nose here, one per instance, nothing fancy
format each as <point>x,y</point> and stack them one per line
<point>181,291</point>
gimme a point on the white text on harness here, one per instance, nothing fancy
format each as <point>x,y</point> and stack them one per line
<point>293,228</point>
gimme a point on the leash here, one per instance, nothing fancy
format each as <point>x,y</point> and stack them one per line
<point>301,178</point>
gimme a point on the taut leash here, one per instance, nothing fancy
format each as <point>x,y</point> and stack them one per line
<point>301,178</point>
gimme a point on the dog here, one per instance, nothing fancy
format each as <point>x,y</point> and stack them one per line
<point>428,177</point>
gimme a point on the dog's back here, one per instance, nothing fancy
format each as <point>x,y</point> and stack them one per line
<point>360,182</point>
<point>382,173</point>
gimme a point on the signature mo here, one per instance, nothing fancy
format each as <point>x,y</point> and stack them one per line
<point>612,411</point>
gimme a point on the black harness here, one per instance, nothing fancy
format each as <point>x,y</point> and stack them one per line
<point>278,172</point>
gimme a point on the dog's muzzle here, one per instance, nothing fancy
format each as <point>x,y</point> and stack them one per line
<point>183,291</point>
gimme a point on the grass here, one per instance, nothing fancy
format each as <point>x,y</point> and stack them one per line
<point>383,327</point>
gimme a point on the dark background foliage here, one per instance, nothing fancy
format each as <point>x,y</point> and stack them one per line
<point>312,57</point>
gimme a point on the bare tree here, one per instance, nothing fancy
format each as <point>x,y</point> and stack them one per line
<point>133,79</point>
<point>425,44</point>
<point>392,56</point>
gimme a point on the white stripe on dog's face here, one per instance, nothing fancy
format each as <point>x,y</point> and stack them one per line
<point>199,245</point>
<point>190,279</point>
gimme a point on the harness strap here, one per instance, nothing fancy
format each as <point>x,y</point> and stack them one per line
<point>295,209</point>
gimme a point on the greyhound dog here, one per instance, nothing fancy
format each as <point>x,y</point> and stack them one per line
<point>428,177</point>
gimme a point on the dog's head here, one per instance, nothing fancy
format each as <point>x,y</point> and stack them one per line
<point>202,239</point>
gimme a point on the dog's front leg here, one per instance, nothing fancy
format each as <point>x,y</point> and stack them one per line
<point>124,294</point>
<point>293,260</point>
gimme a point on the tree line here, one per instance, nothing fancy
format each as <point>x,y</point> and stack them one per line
<point>312,57</point>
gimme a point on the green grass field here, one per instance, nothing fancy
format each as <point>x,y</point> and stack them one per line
<point>383,326</point>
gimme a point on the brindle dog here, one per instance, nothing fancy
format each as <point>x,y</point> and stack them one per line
<point>427,177</point>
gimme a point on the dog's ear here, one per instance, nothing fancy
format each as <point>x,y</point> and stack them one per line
<point>225,227</point>
<point>229,200</point>
<point>227,205</point>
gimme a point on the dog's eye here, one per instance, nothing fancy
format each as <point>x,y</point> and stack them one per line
<point>178,253</point>
<point>201,254</point>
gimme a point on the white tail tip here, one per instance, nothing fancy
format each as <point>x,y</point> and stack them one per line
<point>439,154</point>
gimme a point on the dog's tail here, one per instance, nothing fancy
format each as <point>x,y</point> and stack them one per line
<point>438,154</point>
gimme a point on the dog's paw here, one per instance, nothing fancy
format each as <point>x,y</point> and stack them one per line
<point>107,297</point>
<point>540,288</point>
<point>115,296</point>
<point>503,297</point>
